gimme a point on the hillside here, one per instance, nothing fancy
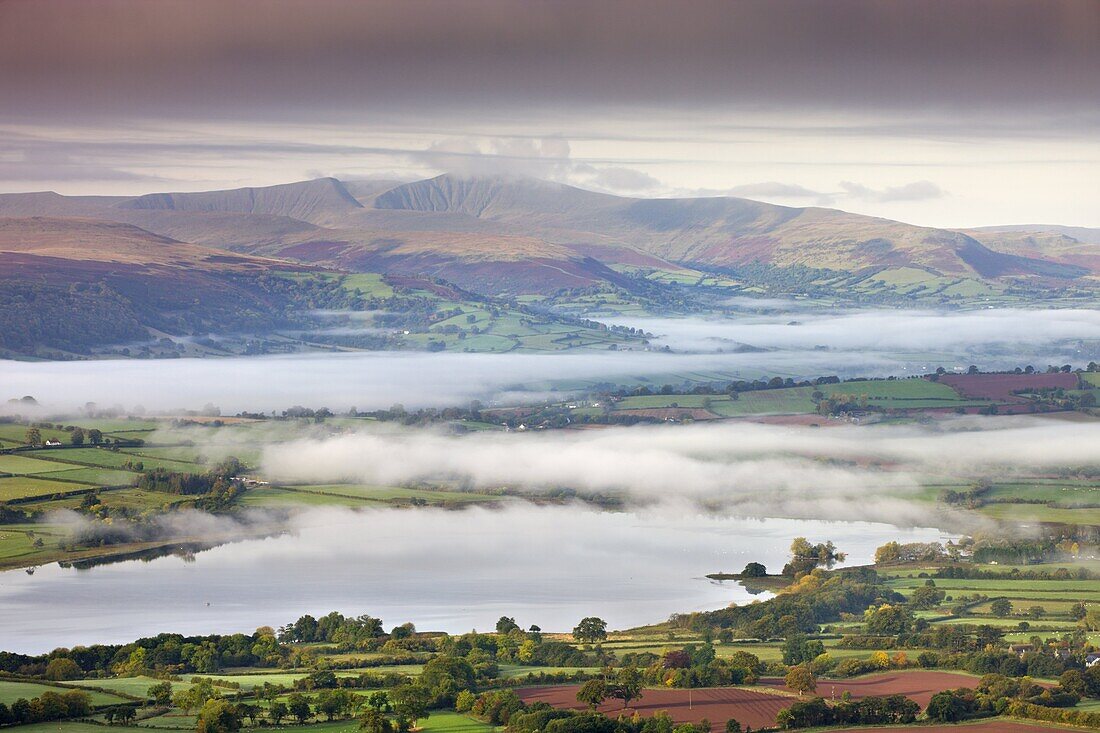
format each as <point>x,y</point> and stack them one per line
<point>718,232</point>
<point>1075,246</point>
<point>314,201</point>
<point>516,236</point>
<point>73,284</point>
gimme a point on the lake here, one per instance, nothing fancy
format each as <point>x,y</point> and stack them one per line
<point>442,570</point>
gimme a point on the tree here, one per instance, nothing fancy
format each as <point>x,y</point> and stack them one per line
<point>33,436</point>
<point>627,685</point>
<point>592,693</point>
<point>278,711</point>
<point>464,701</point>
<point>380,701</point>
<point>947,707</point>
<point>77,436</point>
<point>754,570</point>
<point>1073,682</point>
<point>888,553</point>
<point>801,679</point>
<point>196,696</point>
<point>1036,612</point>
<point>95,436</point>
<point>926,597</point>
<point>63,668</point>
<point>590,629</point>
<point>798,649</point>
<point>160,693</point>
<point>410,704</point>
<point>122,714</point>
<point>1001,607</point>
<point>888,619</point>
<point>506,624</point>
<point>78,704</point>
<point>805,556</point>
<point>374,721</point>
<point>250,711</point>
<point>732,726</point>
<point>298,706</point>
<point>218,716</point>
<point>333,703</point>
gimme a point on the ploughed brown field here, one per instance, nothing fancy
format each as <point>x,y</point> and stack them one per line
<point>918,686</point>
<point>993,726</point>
<point>716,704</point>
<point>1003,386</point>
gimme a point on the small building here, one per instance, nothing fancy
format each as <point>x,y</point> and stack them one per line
<point>50,442</point>
<point>1092,660</point>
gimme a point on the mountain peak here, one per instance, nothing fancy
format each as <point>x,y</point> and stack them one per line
<point>319,198</point>
<point>490,196</point>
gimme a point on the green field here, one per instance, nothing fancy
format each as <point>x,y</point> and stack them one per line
<point>274,496</point>
<point>17,540</point>
<point>137,499</point>
<point>991,587</point>
<point>12,690</point>
<point>184,453</point>
<point>172,720</point>
<point>133,686</point>
<point>791,400</point>
<point>22,464</point>
<point>895,389</point>
<point>881,393</point>
<point>112,459</point>
<point>97,476</point>
<point>1032,513</point>
<point>71,727</point>
<point>369,283</point>
<point>393,493</point>
<point>249,681</point>
<point>17,433</point>
<point>1061,492</point>
<point>511,671</point>
<point>120,425</point>
<point>20,487</point>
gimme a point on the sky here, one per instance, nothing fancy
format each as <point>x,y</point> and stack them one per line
<point>939,112</point>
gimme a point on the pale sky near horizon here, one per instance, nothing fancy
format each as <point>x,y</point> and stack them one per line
<point>938,112</point>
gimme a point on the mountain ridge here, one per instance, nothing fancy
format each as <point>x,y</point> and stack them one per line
<point>461,228</point>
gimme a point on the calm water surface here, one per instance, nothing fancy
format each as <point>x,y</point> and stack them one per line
<point>443,570</point>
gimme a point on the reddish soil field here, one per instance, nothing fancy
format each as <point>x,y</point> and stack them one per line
<point>1001,386</point>
<point>917,686</point>
<point>716,704</point>
<point>994,726</point>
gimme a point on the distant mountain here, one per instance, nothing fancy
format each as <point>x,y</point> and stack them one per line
<point>716,232</point>
<point>314,201</point>
<point>1085,235</point>
<point>1075,246</point>
<point>498,235</point>
<point>70,284</point>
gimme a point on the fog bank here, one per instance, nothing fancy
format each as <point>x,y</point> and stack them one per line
<point>848,344</point>
<point>1024,332</point>
<point>844,472</point>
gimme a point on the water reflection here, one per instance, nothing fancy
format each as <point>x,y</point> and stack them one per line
<point>440,569</point>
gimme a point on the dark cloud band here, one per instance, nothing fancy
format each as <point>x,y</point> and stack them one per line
<point>301,57</point>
